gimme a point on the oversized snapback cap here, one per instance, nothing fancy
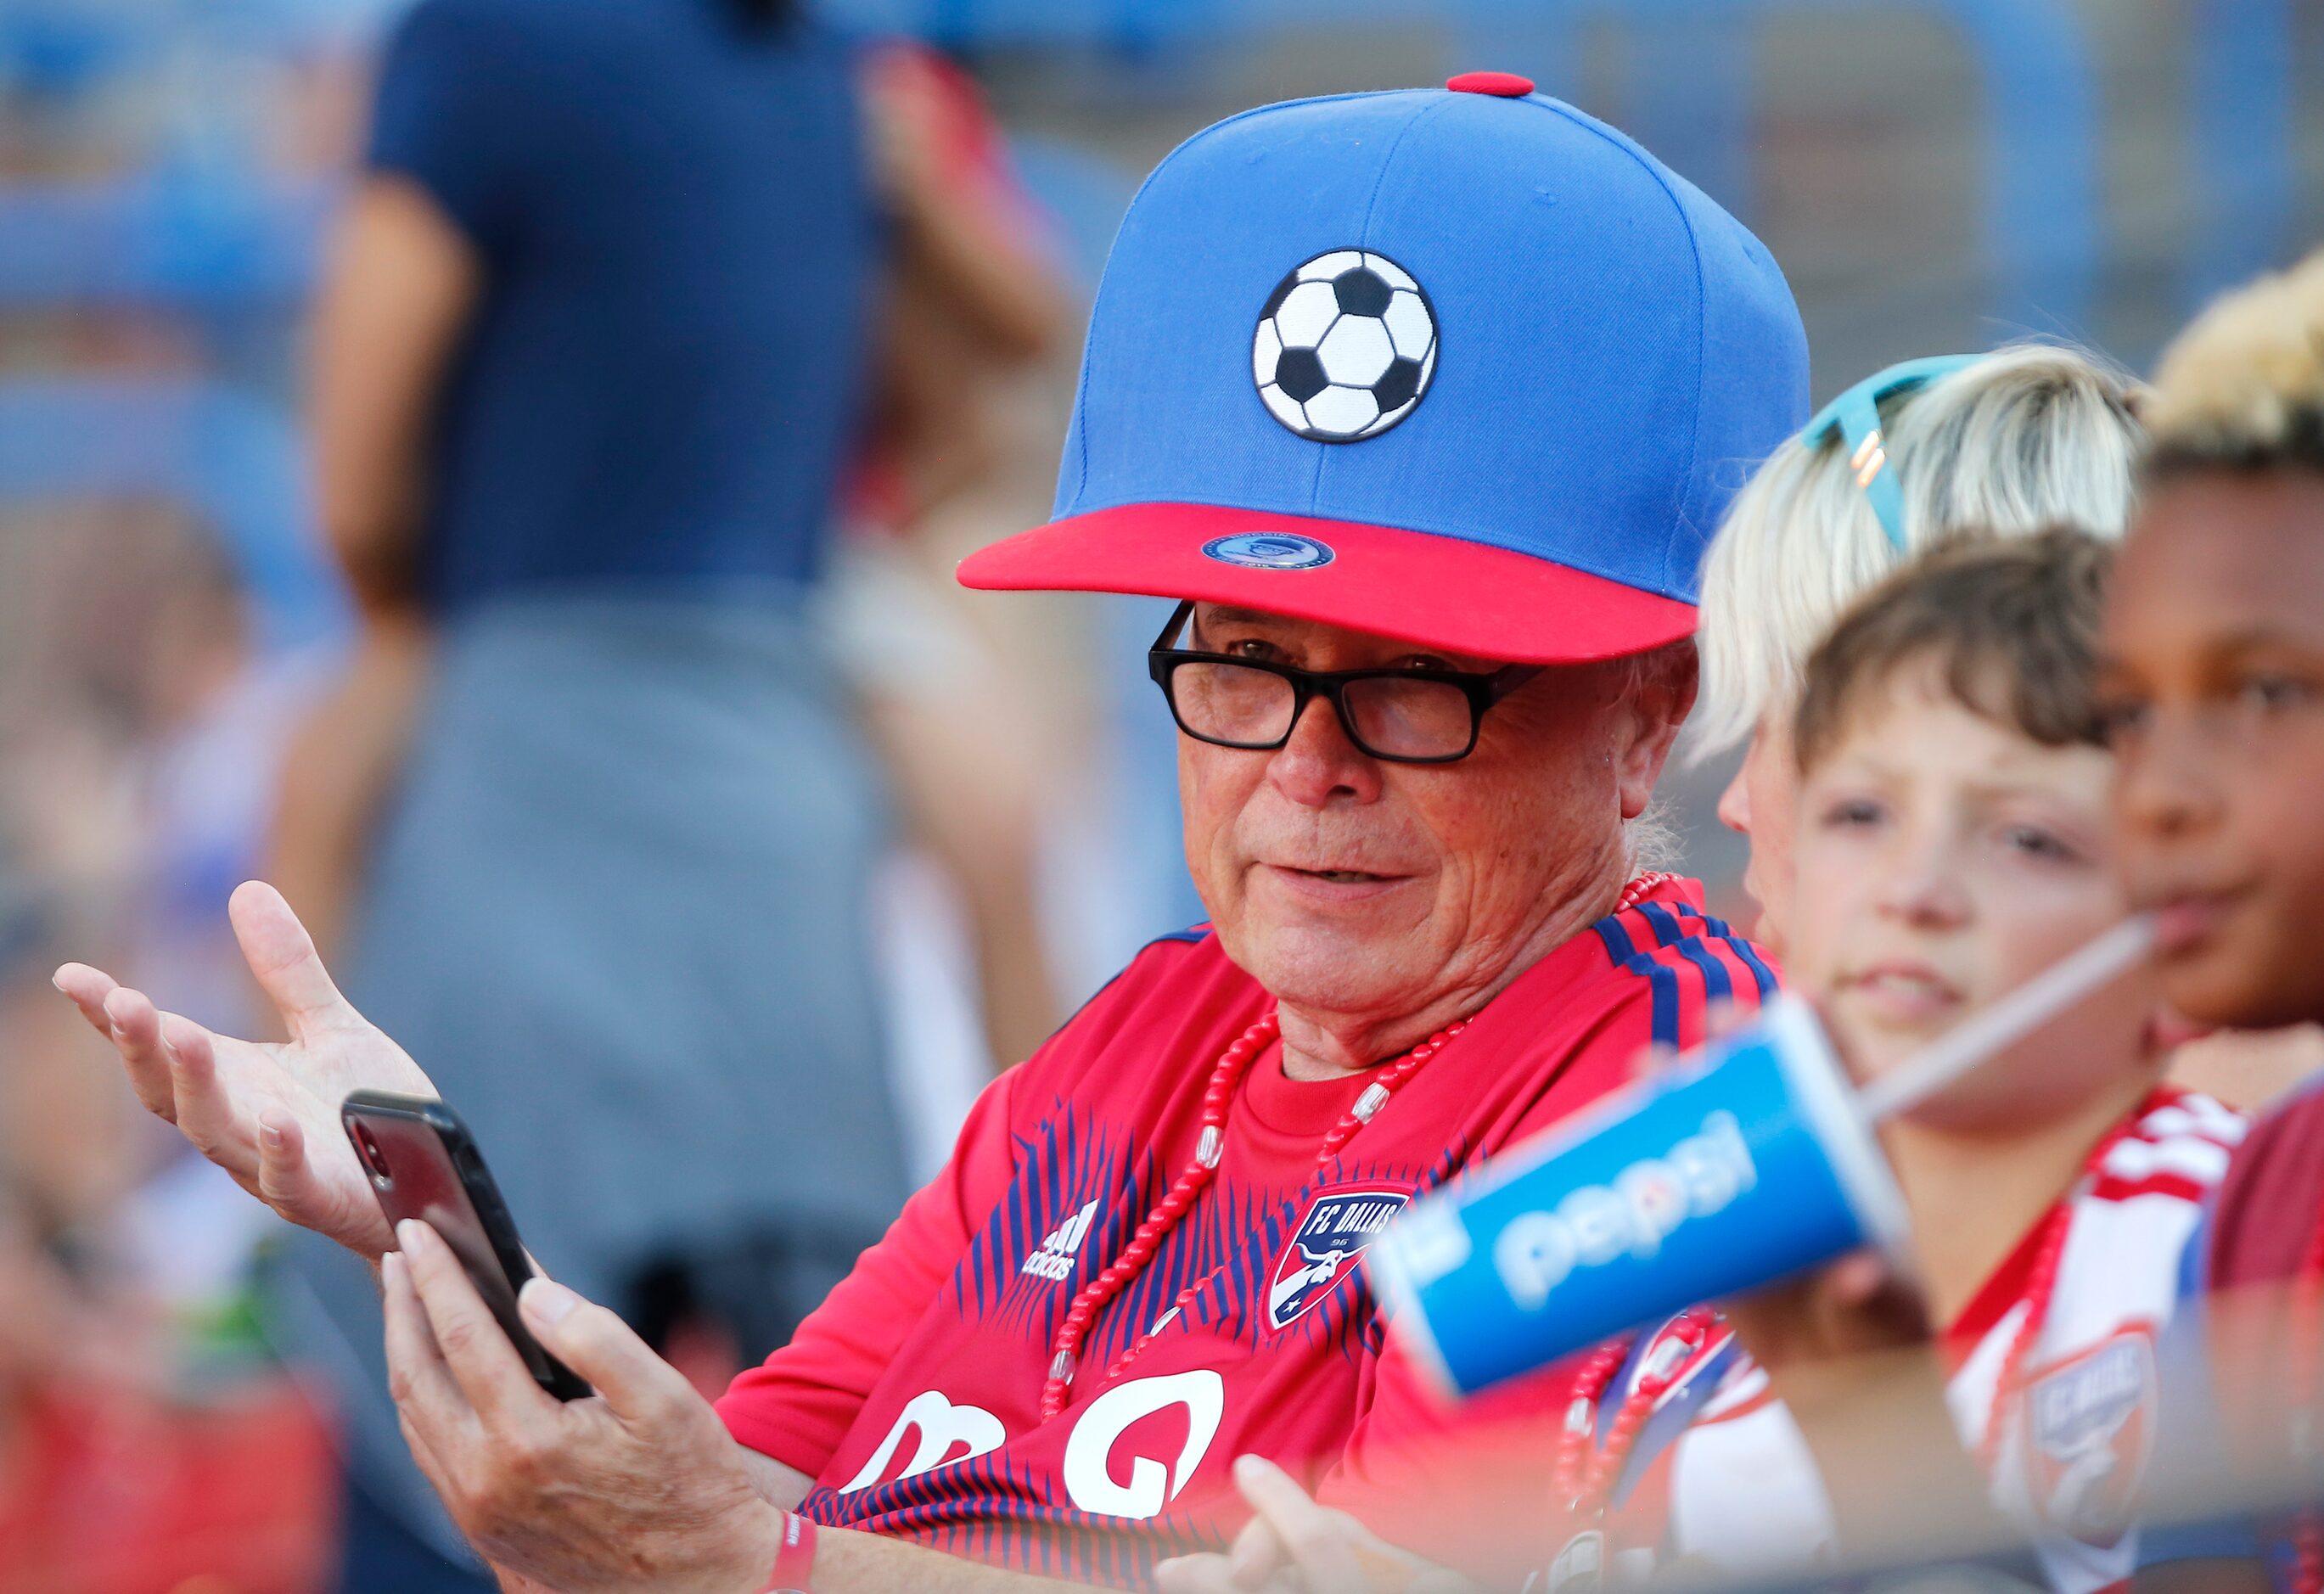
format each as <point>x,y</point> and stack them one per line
<point>1462,366</point>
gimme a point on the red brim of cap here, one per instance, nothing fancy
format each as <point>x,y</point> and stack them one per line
<point>1460,596</point>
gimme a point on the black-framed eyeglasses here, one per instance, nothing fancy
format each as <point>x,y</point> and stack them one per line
<point>1405,716</point>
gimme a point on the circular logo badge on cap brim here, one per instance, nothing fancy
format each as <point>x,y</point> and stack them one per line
<point>1270,550</point>
<point>1345,349</point>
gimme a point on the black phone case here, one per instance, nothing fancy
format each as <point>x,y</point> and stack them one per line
<point>422,1163</point>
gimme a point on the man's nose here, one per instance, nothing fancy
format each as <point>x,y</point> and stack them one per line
<point>1320,764</point>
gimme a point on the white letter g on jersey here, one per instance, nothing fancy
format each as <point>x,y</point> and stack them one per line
<point>1089,1481</point>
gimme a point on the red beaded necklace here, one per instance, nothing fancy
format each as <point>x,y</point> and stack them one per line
<point>1584,1474</point>
<point>1218,1100</point>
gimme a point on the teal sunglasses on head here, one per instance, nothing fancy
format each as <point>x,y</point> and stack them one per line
<point>1855,415</point>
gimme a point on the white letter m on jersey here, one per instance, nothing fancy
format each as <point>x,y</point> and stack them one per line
<point>943,1426</point>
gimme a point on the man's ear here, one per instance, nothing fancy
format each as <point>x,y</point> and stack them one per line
<point>1661,691</point>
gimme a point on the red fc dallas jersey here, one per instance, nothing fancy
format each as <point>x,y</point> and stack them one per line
<point>912,1396</point>
<point>1738,1489</point>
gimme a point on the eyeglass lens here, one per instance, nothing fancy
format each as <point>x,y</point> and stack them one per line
<point>1395,716</point>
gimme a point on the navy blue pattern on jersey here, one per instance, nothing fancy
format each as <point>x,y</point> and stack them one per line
<point>1066,1164</point>
<point>1227,1245</point>
<point>1690,941</point>
<point>1761,974</point>
<point>988,1509</point>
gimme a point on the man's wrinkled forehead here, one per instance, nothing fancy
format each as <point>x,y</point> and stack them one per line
<point>1319,636</point>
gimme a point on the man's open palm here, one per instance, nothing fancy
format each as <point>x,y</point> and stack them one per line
<point>267,1113</point>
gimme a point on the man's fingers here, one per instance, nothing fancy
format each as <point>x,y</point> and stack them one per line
<point>281,955</point>
<point>87,988</point>
<point>142,1040</point>
<point>134,1024</point>
<point>426,1398</point>
<point>1257,1556</point>
<point>287,1181</point>
<point>1274,1493</point>
<point>1322,1543</point>
<point>642,1390</point>
<point>205,1111</point>
<point>424,1456</point>
<point>477,1353</point>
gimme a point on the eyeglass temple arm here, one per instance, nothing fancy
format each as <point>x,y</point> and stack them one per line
<point>1172,626</point>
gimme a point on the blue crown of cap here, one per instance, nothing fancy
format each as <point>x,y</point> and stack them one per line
<point>1605,355</point>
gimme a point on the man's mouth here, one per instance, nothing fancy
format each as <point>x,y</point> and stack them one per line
<point>1342,878</point>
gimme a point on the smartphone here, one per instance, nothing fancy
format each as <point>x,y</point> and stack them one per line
<point>422,1163</point>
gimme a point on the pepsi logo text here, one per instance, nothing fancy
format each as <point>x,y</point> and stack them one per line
<point>1632,1216</point>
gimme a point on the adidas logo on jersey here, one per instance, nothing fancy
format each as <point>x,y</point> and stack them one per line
<point>1055,1259</point>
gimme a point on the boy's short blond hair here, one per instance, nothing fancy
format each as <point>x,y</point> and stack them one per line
<point>2009,624</point>
<point>2242,387</point>
<point>2033,435</point>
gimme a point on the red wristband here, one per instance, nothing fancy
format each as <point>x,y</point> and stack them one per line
<point>795,1562</point>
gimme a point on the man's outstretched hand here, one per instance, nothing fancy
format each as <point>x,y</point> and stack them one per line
<point>267,1112</point>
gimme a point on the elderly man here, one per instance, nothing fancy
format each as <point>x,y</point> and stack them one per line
<point>1421,403</point>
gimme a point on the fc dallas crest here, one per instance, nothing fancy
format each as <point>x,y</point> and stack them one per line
<point>1325,1246</point>
<point>2090,1426</point>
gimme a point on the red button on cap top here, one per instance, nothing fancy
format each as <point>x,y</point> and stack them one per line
<point>1507,84</point>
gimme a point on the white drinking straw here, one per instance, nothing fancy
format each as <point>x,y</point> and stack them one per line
<point>1982,1035</point>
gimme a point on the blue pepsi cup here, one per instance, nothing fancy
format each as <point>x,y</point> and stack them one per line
<point>1742,1166</point>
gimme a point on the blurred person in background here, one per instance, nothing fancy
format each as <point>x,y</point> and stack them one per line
<point>119,1472</point>
<point>976,715</point>
<point>145,1444</point>
<point>146,1439</point>
<point>959,444</point>
<point>589,361</point>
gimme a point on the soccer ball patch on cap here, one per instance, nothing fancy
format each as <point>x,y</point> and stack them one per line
<point>1345,348</point>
